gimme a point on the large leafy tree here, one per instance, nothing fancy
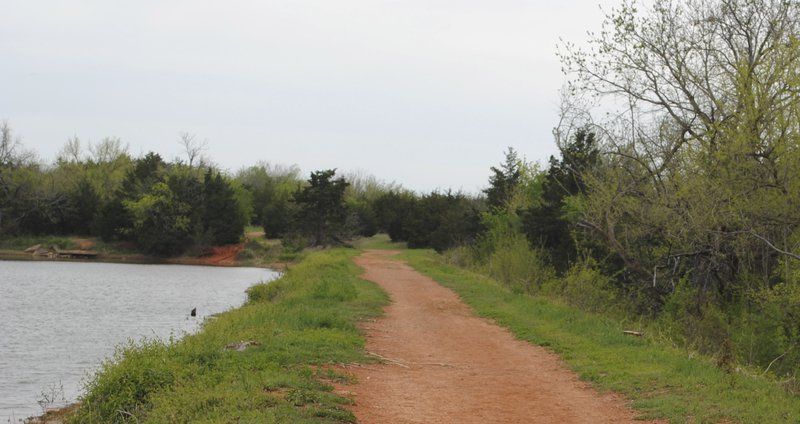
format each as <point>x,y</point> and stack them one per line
<point>161,222</point>
<point>700,176</point>
<point>114,220</point>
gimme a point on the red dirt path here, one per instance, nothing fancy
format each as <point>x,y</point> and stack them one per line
<point>442,364</point>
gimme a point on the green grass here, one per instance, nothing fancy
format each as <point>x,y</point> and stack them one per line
<point>26,241</point>
<point>253,229</point>
<point>22,242</point>
<point>378,242</point>
<point>660,380</point>
<point>302,322</point>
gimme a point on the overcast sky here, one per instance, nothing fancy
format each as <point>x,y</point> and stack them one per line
<point>427,93</point>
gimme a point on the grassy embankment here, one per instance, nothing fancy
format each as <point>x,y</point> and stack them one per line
<point>302,322</point>
<point>662,381</point>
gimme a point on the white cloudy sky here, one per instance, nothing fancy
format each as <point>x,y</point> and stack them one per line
<point>427,93</point>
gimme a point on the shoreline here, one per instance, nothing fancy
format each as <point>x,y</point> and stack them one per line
<point>141,259</point>
<point>52,416</point>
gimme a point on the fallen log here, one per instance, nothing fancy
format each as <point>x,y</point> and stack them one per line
<point>633,333</point>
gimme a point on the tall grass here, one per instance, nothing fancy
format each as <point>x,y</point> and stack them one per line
<point>300,324</point>
<point>522,268</point>
<point>511,260</point>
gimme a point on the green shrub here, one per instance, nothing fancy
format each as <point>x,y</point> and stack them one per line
<point>517,265</point>
<point>759,339</point>
<point>461,256</point>
<point>265,292</point>
<point>121,388</point>
<point>776,322</point>
<point>586,287</point>
<point>696,324</point>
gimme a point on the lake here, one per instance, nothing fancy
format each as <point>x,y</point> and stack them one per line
<point>59,320</point>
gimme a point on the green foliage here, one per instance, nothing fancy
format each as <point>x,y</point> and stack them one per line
<point>112,219</point>
<point>305,319</point>
<point>365,198</point>
<point>223,215</point>
<point>277,216</point>
<point>362,220</point>
<point>321,211</point>
<point>522,268</point>
<point>550,223</point>
<point>586,287</point>
<point>168,207</point>
<point>164,207</point>
<point>85,201</point>
<point>774,324</point>
<point>438,220</point>
<point>118,392</point>
<point>271,188</point>
<point>161,222</point>
<point>504,181</point>
<point>392,211</point>
<point>145,172</point>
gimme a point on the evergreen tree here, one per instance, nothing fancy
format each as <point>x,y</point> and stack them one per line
<point>84,203</point>
<point>223,220</point>
<point>321,211</point>
<point>146,171</point>
<point>504,181</point>
<point>545,224</point>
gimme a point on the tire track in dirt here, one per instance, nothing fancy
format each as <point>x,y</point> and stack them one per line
<point>442,364</point>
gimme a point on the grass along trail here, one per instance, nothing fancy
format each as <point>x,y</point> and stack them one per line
<point>442,364</point>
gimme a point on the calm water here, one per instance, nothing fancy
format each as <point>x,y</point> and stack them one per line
<point>58,320</point>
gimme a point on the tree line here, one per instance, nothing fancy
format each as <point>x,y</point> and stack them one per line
<point>163,207</point>
<point>167,208</point>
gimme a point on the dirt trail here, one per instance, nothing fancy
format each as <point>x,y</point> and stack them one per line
<point>445,365</point>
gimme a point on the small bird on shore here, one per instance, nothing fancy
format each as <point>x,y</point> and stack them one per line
<point>194,312</point>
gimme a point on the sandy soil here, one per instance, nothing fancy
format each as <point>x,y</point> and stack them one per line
<point>442,364</point>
